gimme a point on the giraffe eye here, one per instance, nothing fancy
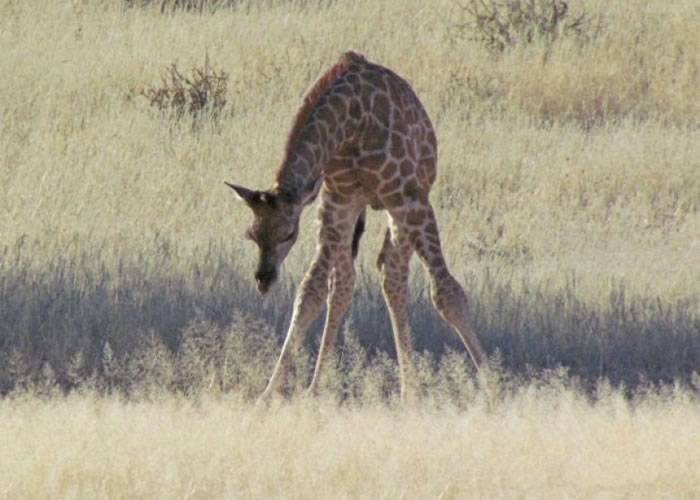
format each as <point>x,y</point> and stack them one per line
<point>288,238</point>
<point>249,234</point>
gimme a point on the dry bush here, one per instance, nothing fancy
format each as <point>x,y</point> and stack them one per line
<point>503,24</point>
<point>166,6</point>
<point>211,6</point>
<point>199,93</point>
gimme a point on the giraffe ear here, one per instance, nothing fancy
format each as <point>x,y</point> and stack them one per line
<point>311,190</point>
<point>252,198</point>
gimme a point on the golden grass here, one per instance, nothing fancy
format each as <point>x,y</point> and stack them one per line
<point>539,443</point>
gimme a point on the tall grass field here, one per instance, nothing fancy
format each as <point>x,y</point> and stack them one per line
<point>133,344</point>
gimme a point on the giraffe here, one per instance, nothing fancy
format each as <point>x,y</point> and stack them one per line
<point>361,138</point>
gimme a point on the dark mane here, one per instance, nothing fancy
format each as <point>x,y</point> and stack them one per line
<point>313,95</point>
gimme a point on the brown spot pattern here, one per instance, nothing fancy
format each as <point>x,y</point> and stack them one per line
<point>390,187</point>
<point>381,109</point>
<point>393,200</point>
<point>389,170</point>
<point>410,190</point>
<point>373,160</point>
<point>406,168</point>
<point>374,78</point>
<point>397,149</point>
<point>375,136</point>
<point>355,111</point>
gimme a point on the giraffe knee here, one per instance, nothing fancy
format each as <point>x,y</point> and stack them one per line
<point>315,285</point>
<point>343,278</point>
<point>449,299</point>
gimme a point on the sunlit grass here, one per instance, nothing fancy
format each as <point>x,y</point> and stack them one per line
<point>546,441</point>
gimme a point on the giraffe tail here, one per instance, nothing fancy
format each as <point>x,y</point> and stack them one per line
<point>357,234</point>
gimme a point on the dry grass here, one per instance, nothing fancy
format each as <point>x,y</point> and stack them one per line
<point>538,443</point>
<point>569,201</point>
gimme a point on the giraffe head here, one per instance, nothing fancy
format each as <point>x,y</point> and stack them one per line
<point>275,227</point>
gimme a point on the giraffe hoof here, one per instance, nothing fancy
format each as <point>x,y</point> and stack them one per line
<point>264,398</point>
<point>311,392</point>
<point>409,396</point>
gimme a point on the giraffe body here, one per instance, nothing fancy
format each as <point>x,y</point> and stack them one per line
<point>362,138</point>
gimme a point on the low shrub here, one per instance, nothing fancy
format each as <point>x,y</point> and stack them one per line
<point>201,92</point>
<point>503,24</point>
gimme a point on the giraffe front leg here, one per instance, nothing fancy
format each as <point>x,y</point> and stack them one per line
<point>307,305</point>
<point>393,265</point>
<point>339,299</point>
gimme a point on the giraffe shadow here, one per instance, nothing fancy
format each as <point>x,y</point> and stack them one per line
<point>50,314</point>
<point>629,341</point>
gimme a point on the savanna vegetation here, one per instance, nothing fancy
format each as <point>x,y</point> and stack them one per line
<point>133,342</point>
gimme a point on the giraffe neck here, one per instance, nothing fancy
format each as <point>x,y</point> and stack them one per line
<point>320,139</point>
<point>327,119</point>
<point>302,168</point>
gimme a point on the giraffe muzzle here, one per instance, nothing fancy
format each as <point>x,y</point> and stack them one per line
<point>265,279</point>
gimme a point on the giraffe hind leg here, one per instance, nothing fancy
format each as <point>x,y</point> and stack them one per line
<point>447,294</point>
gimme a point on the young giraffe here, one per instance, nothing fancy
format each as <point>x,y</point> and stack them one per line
<point>362,138</point>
